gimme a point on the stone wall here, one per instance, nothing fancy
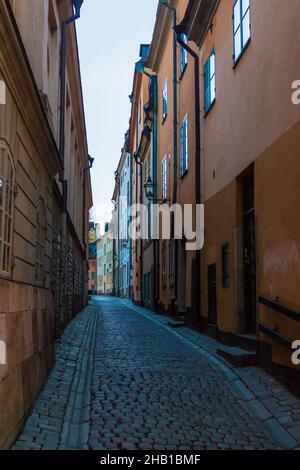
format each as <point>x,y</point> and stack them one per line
<point>27,328</point>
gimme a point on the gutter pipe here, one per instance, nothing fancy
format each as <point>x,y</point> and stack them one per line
<point>77,5</point>
<point>141,68</point>
<point>175,123</point>
<point>195,56</point>
<point>175,137</point>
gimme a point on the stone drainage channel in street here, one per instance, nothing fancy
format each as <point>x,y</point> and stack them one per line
<point>123,379</point>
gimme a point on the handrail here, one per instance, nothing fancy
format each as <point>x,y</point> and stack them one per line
<point>288,312</point>
<point>274,335</point>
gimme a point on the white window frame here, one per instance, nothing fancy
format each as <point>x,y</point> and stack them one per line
<point>183,54</point>
<point>7,176</point>
<point>165,99</point>
<point>184,146</point>
<point>241,11</point>
<point>164,189</point>
<point>210,81</point>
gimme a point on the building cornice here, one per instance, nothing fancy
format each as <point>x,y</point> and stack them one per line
<point>19,79</point>
<point>159,39</point>
<point>198,18</point>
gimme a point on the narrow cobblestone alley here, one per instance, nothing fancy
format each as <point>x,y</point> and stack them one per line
<point>124,380</point>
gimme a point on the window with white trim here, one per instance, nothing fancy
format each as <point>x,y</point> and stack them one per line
<point>183,54</point>
<point>210,81</point>
<point>40,248</point>
<point>164,99</point>
<point>7,183</point>
<point>164,190</point>
<point>241,26</point>
<point>184,146</point>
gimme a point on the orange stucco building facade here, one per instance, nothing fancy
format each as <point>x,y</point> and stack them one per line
<point>224,103</point>
<point>250,171</point>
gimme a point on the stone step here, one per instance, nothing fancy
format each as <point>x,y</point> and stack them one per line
<point>237,356</point>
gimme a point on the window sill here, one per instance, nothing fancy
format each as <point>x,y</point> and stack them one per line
<point>207,111</point>
<point>238,59</point>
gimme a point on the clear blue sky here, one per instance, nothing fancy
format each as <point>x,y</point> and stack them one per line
<point>109,35</point>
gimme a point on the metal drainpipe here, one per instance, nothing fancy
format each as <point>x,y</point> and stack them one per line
<point>130,240</point>
<point>156,244</point>
<point>85,170</point>
<point>64,25</point>
<point>175,132</point>
<point>114,249</point>
<point>113,261</point>
<point>141,202</point>
<point>119,247</point>
<point>118,231</point>
<point>197,154</point>
<point>77,5</point>
<point>154,166</point>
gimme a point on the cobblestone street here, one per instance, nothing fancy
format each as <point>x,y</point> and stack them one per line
<point>124,380</point>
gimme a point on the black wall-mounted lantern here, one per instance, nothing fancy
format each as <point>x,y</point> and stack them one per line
<point>149,189</point>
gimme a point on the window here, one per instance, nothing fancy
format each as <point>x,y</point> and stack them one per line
<point>164,100</point>
<point>241,26</point>
<point>40,247</point>
<point>7,183</point>
<point>183,54</point>
<point>225,265</point>
<point>210,81</point>
<point>164,178</point>
<point>184,146</point>
<point>171,262</point>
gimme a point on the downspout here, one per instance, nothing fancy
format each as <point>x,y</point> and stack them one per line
<point>175,124</point>
<point>117,205</point>
<point>119,247</point>
<point>175,136</point>
<point>114,250</point>
<point>138,163</point>
<point>85,170</point>
<point>63,45</point>
<point>130,240</point>
<point>197,154</point>
<point>154,166</point>
<point>76,4</point>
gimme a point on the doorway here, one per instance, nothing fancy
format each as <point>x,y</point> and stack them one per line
<point>249,251</point>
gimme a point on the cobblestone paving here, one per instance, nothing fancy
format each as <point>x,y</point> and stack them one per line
<point>123,380</point>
